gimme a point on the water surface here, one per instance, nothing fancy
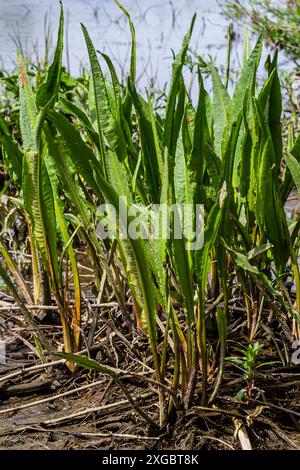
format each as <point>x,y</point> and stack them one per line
<point>160,26</point>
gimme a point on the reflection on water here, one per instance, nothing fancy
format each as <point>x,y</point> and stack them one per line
<point>160,26</point>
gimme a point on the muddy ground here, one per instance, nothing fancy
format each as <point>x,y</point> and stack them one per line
<point>50,408</point>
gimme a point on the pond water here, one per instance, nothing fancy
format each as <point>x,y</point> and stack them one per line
<point>160,26</point>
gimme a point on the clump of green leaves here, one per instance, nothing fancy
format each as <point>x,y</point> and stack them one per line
<point>222,152</point>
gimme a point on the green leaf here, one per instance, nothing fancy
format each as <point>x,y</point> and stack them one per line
<point>12,157</point>
<point>263,189</point>
<point>48,91</point>
<point>259,250</point>
<point>108,126</point>
<point>38,202</point>
<point>184,220</point>
<point>170,138</point>
<point>80,153</point>
<point>133,43</point>
<point>246,81</point>
<point>201,139</point>
<point>275,110</point>
<point>140,265</point>
<point>294,167</point>
<point>149,157</point>
<point>83,118</point>
<point>68,245</point>
<point>221,106</point>
<point>28,109</point>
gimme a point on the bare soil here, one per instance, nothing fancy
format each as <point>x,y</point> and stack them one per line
<point>55,415</point>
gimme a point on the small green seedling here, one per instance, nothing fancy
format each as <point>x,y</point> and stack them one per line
<point>249,362</point>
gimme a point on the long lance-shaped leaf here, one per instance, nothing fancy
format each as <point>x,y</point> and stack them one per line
<point>37,193</point>
<point>221,106</point>
<point>254,163</point>
<point>133,43</point>
<point>53,172</point>
<point>108,126</point>
<point>262,188</point>
<point>115,82</point>
<point>69,106</point>
<point>246,82</point>
<point>250,148</point>
<point>218,215</point>
<point>39,204</point>
<point>201,138</point>
<point>48,91</point>
<point>117,179</point>
<point>159,245</point>
<point>44,204</point>
<point>156,243</point>
<point>242,158</point>
<point>202,265</point>
<point>246,45</point>
<point>157,140</point>
<point>246,147</point>
<point>229,152</point>
<point>66,172</point>
<point>147,143</point>
<point>67,157</point>
<point>170,138</point>
<point>179,111</point>
<point>80,153</point>
<point>294,167</point>
<point>275,110</point>
<point>269,215</point>
<point>264,93</point>
<point>242,99</point>
<point>184,219</point>
<point>268,202</point>
<point>144,273</point>
<point>70,157</point>
<point>260,135</point>
<point>28,109</point>
<point>76,310</point>
<point>127,105</point>
<point>37,197</point>
<point>213,168</point>
<point>276,227</point>
<point>37,190</point>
